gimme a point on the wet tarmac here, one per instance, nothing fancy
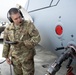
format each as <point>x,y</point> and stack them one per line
<point>42,57</point>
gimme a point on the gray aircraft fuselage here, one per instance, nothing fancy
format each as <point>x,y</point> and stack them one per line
<point>56,22</point>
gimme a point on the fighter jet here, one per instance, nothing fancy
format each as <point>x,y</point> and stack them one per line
<point>56,22</point>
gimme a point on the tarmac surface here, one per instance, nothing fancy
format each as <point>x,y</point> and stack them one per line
<point>42,57</point>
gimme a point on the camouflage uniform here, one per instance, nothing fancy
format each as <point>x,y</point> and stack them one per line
<point>22,53</point>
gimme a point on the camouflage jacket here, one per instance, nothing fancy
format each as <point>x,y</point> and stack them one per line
<point>25,34</point>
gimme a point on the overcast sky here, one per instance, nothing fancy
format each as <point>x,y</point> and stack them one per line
<point>5,5</point>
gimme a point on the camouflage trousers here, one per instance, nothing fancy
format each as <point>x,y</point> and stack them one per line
<point>23,68</point>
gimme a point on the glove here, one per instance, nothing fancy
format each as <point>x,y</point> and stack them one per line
<point>28,44</point>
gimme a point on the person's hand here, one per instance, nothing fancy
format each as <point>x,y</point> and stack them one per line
<point>8,61</point>
<point>28,44</point>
